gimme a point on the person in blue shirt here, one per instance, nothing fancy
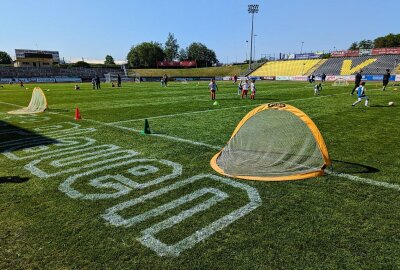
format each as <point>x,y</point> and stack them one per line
<point>361,95</point>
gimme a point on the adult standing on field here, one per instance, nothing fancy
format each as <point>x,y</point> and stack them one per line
<point>386,78</point>
<point>323,77</point>
<point>98,82</point>
<point>165,80</point>
<point>235,78</point>
<point>357,81</point>
<point>119,80</point>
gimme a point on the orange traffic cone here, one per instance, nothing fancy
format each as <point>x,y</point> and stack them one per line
<point>77,114</point>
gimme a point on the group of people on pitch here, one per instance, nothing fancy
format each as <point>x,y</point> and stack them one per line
<point>243,88</point>
<point>361,90</point>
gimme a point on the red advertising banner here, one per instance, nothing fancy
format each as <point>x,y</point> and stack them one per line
<point>383,51</point>
<point>345,53</point>
<point>186,64</point>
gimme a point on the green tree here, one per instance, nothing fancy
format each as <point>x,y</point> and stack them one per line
<point>109,60</point>
<point>363,44</point>
<point>81,64</point>
<point>203,55</point>
<point>387,41</point>
<point>5,58</point>
<point>354,46</point>
<point>171,48</point>
<point>145,55</point>
<point>366,44</point>
<point>183,54</point>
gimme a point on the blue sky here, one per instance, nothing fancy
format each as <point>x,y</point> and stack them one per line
<point>94,28</point>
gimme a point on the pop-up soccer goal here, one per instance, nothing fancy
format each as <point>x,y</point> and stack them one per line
<point>37,104</point>
<point>340,82</point>
<point>273,142</point>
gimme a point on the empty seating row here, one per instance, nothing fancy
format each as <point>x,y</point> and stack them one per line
<point>373,65</point>
<point>286,68</point>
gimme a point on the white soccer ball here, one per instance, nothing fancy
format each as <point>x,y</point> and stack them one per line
<point>391,103</point>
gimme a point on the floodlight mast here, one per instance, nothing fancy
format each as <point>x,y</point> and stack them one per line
<point>252,9</point>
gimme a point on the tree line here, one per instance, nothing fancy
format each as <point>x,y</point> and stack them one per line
<point>388,41</point>
<point>146,54</point>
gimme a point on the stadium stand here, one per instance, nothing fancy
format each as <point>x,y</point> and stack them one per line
<point>314,68</point>
<point>30,72</point>
<point>286,68</point>
<point>372,65</point>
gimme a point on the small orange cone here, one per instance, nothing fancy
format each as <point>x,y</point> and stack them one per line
<point>77,114</point>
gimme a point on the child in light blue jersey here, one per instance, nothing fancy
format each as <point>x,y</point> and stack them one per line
<point>361,95</point>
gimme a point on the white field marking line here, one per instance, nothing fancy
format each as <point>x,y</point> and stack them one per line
<point>15,105</point>
<point>138,131</point>
<point>365,180</point>
<point>212,110</point>
<point>169,137</point>
<point>342,175</point>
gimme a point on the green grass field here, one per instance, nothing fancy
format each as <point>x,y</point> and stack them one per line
<point>96,194</point>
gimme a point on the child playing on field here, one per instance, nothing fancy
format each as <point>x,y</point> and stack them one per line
<point>361,95</point>
<point>240,88</point>
<point>245,88</point>
<point>317,89</point>
<point>213,88</point>
<point>93,83</point>
<point>253,89</point>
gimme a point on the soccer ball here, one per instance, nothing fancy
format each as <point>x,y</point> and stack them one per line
<point>391,103</point>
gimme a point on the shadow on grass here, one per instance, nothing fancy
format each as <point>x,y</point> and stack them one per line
<point>13,138</point>
<point>13,179</point>
<point>380,106</point>
<point>351,168</point>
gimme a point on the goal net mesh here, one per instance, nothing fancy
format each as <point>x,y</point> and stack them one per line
<point>271,143</point>
<point>340,82</point>
<point>37,104</point>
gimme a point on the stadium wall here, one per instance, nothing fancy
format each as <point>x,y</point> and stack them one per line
<point>54,72</point>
